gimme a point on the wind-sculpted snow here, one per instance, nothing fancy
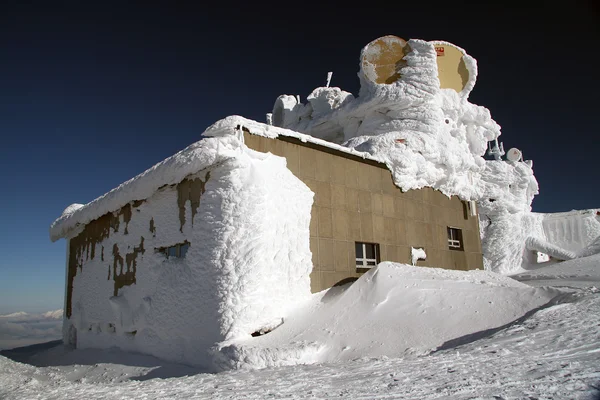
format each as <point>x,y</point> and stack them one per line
<point>552,354</point>
<point>392,310</point>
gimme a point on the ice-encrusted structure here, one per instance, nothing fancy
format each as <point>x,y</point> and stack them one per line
<point>243,219</point>
<point>247,265</point>
<point>426,135</point>
<point>429,136</point>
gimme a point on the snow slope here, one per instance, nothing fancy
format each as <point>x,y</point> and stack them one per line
<point>391,310</point>
<point>551,354</point>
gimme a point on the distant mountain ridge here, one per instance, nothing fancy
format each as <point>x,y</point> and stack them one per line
<point>56,314</point>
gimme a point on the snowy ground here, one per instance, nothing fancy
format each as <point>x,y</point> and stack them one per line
<point>553,352</point>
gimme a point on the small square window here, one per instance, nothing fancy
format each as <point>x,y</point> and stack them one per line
<point>367,254</point>
<point>455,239</point>
<point>178,250</point>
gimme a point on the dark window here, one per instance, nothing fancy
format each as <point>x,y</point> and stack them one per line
<point>455,239</point>
<point>178,250</point>
<point>367,254</point>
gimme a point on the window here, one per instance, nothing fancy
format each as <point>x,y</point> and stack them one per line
<point>367,254</point>
<point>455,240</point>
<point>178,250</point>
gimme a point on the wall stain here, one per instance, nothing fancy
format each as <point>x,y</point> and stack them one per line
<point>152,227</point>
<point>128,277</point>
<point>126,212</point>
<point>192,190</point>
<point>83,246</point>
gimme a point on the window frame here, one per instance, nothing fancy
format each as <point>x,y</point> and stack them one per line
<point>455,238</point>
<point>363,262</point>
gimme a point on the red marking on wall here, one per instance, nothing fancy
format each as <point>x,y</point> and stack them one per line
<point>439,50</point>
<point>401,140</point>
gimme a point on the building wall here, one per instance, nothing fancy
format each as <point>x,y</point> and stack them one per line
<point>248,260</point>
<point>117,276</point>
<point>357,201</point>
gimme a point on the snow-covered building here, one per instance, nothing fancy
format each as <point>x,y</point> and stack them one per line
<point>221,240</point>
<point>216,241</point>
<point>360,217</point>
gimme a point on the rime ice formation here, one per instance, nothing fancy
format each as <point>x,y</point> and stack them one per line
<point>417,254</point>
<point>428,136</point>
<point>248,262</point>
<point>247,266</point>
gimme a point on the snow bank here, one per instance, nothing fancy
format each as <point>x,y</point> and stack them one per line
<point>582,272</point>
<point>574,230</point>
<point>392,310</point>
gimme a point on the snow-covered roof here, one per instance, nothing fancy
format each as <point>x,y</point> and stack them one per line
<point>260,129</point>
<point>222,140</point>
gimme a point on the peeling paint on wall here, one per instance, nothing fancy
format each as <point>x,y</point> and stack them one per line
<point>79,247</point>
<point>126,212</point>
<point>122,268</point>
<point>192,190</point>
<point>126,278</point>
<point>152,227</point>
<point>83,247</point>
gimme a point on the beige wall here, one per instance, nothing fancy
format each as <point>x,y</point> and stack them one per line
<point>356,200</point>
<point>452,71</point>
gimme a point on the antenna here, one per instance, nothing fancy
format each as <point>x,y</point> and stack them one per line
<point>495,150</point>
<point>514,155</point>
<point>329,75</point>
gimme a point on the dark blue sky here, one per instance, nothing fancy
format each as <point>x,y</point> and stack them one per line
<point>90,97</point>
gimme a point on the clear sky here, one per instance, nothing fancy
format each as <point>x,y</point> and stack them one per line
<point>90,97</point>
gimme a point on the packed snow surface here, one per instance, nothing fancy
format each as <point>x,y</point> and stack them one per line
<point>550,354</point>
<point>391,310</point>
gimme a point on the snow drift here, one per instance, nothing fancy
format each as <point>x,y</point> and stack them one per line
<point>393,310</point>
